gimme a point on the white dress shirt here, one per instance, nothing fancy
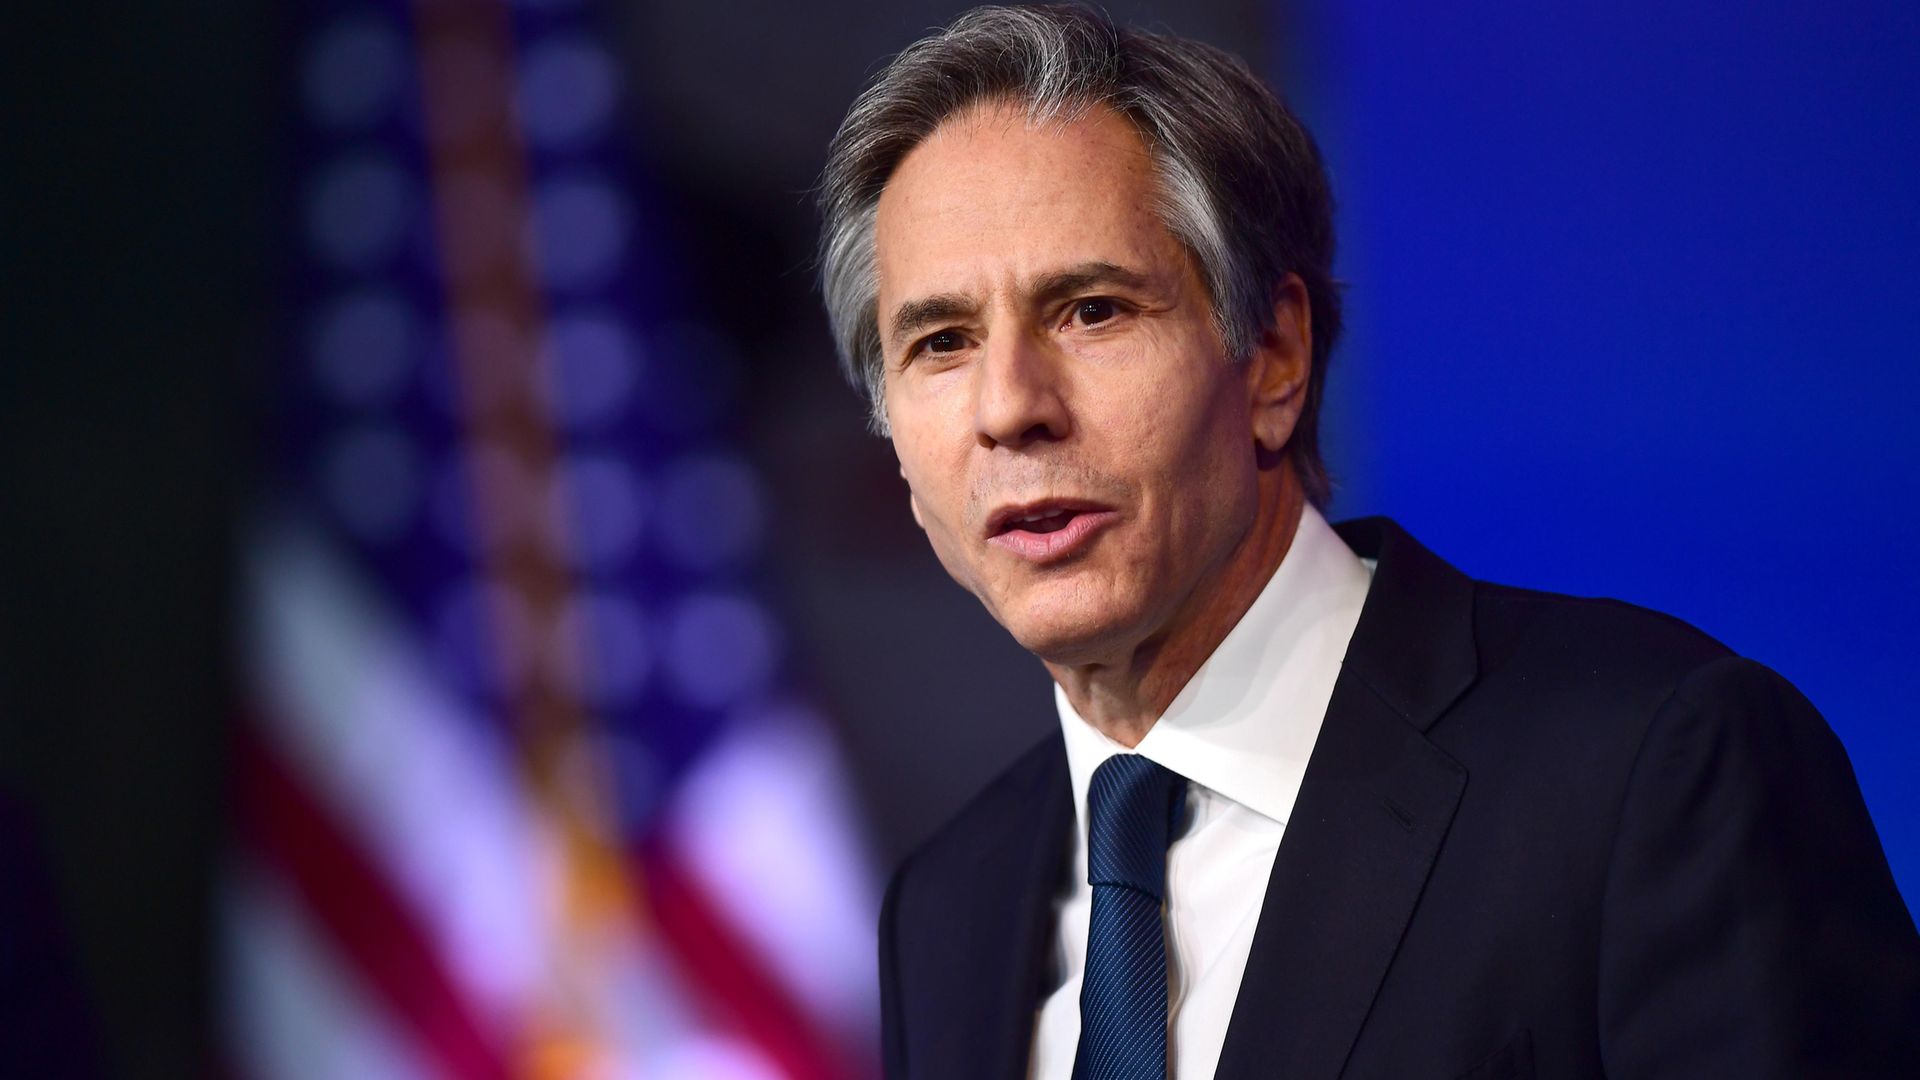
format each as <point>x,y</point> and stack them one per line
<point>1241,730</point>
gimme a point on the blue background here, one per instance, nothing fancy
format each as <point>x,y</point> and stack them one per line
<point>1632,313</point>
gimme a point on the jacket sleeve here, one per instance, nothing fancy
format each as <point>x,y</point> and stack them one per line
<point>1751,926</point>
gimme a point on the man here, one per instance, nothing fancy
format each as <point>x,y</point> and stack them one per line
<point>1318,804</point>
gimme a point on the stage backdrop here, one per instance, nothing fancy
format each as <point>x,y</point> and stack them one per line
<point>1633,314</point>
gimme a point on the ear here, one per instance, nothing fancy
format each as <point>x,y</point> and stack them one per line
<point>1280,365</point>
<point>913,503</point>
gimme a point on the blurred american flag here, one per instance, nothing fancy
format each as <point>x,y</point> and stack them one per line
<point>525,787</point>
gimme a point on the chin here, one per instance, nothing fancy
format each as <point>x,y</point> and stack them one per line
<point>1067,632</point>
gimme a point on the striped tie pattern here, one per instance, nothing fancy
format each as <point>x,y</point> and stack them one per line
<point>1133,810</point>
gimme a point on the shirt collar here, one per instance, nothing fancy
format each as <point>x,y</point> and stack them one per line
<point>1245,723</point>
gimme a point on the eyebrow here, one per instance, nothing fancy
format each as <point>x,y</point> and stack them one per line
<point>913,316</point>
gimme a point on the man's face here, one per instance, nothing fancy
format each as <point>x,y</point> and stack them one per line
<point>1049,351</point>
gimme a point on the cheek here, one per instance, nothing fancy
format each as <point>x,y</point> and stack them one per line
<point>1191,454</point>
<point>1190,425</point>
<point>932,405</point>
<point>940,497</point>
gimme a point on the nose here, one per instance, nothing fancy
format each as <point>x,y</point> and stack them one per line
<point>1018,394</point>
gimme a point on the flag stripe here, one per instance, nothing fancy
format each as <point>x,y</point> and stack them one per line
<point>363,917</point>
<point>712,955</point>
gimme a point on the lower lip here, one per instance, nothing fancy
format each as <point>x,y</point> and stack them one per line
<point>1059,544</point>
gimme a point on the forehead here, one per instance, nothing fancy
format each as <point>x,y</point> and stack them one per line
<point>992,198</point>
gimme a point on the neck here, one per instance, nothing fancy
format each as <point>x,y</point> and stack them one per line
<point>1122,697</point>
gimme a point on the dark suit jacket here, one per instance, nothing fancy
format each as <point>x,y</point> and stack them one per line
<point>1538,836</point>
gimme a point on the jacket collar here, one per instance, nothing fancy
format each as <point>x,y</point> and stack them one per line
<point>1414,644</point>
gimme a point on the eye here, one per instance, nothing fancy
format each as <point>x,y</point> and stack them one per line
<point>944,341</point>
<point>1096,310</point>
<point>938,346</point>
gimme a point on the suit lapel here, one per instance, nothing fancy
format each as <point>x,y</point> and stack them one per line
<point>1004,913</point>
<point>1375,804</point>
<point>1373,809</point>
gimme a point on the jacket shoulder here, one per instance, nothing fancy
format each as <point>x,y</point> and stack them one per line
<point>1587,645</point>
<point>1004,806</point>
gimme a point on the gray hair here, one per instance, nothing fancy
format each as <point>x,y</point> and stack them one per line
<point>1241,182</point>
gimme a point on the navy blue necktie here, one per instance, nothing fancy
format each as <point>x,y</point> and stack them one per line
<point>1133,808</point>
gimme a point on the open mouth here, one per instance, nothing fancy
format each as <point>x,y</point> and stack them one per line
<point>1045,522</point>
<point>1044,532</point>
<point>1040,517</point>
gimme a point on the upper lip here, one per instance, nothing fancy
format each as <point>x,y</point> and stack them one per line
<point>1003,517</point>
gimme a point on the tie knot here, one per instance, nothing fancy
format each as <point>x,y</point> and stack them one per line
<point>1133,810</point>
